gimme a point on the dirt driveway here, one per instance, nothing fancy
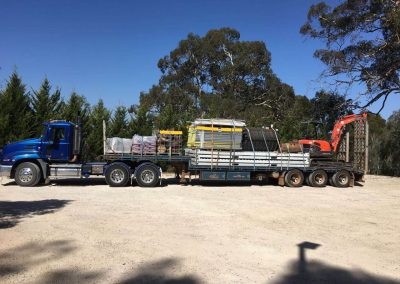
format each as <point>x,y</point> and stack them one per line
<point>77,232</point>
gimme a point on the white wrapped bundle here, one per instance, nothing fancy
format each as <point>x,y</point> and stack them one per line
<point>118,145</point>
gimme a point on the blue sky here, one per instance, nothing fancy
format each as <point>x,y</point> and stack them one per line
<point>109,49</point>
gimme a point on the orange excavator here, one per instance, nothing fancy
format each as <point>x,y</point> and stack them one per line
<point>328,148</point>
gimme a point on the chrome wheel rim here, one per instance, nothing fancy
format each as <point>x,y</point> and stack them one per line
<point>25,175</point>
<point>295,179</point>
<point>343,179</point>
<point>117,176</point>
<point>147,176</point>
<point>319,178</point>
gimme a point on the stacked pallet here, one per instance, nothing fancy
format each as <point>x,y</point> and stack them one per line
<point>257,159</point>
<point>218,134</point>
<point>144,145</point>
<point>169,142</point>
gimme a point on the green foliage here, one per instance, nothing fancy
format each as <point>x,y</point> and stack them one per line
<point>45,106</point>
<point>15,112</point>
<point>294,126</point>
<point>328,107</point>
<point>391,147</point>
<point>362,44</point>
<point>377,133</point>
<point>217,75</point>
<point>94,139</point>
<point>142,120</point>
<point>77,106</point>
<point>120,126</point>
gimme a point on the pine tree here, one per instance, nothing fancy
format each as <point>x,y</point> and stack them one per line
<point>15,112</point>
<point>119,123</point>
<point>95,136</point>
<point>76,106</point>
<point>45,106</point>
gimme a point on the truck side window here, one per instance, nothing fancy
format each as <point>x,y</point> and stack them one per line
<point>57,134</point>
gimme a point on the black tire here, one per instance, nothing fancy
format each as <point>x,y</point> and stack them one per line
<point>147,176</point>
<point>117,175</point>
<point>294,178</point>
<point>318,178</point>
<point>27,174</point>
<point>341,179</point>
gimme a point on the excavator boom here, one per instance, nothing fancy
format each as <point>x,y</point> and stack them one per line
<point>339,126</point>
<point>329,148</point>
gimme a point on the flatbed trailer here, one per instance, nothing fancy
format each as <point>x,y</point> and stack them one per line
<point>340,174</point>
<point>54,155</point>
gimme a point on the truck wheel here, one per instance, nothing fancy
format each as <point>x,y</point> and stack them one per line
<point>117,175</point>
<point>294,178</point>
<point>27,174</point>
<point>147,176</point>
<point>341,179</point>
<point>318,178</point>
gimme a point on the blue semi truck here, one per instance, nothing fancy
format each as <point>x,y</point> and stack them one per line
<point>57,154</point>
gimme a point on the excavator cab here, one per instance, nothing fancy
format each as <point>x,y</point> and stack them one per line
<point>312,140</point>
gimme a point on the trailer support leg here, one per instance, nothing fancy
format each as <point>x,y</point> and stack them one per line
<point>185,177</point>
<point>351,184</point>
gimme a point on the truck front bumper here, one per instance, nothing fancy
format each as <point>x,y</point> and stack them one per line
<point>5,171</point>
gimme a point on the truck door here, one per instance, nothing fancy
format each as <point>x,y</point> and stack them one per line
<point>58,146</point>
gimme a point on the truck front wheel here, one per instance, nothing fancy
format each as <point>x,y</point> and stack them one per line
<point>27,174</point>
<point>147,176</point>
<point>117,175</point>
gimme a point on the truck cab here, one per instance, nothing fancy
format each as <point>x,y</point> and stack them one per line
<point>60,143</point>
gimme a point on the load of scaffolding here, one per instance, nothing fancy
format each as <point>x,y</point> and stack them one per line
<point>215,143</point>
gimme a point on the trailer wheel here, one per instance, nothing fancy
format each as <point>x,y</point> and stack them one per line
<point>147,176</point>
<point>341,179</point>
<point>318,178</point>
<point>117,175</point>
<point>294,178</point>
<point>27,174</point>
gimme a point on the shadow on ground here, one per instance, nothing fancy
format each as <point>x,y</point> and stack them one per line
<point>160,272</point>
<point>271,182</point>
<point>22,258</point>
<point>78,182</point>
<point>302,271</point>
<point>12,212</point>
<point>68,276</point>
<point>171,181</point>
<point>66,182</point>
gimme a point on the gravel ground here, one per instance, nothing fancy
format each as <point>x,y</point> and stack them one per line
<point>85,231</point>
